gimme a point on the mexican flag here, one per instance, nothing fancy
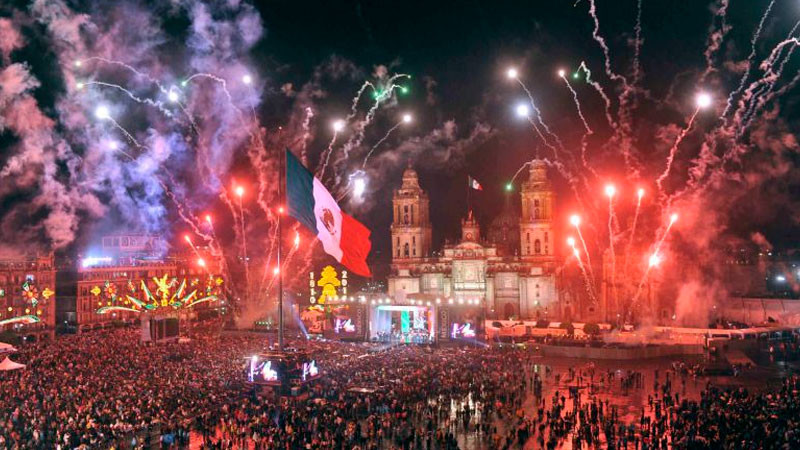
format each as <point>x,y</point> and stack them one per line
<point>473,183</point>
<point>342,237</point>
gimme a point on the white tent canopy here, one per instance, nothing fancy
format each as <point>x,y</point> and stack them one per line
<point>8,364</point>
<point>7,348</point>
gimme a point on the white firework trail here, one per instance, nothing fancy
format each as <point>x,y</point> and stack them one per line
<point>356,99</point>
<point>637,43</point>
<point>606,52</point>
<point>326,155</point>
<point>586,252</point>
<point>587,282</point>
<point>756,93</point>
<point>543,138</point>
<point>538,114</point>
<point>361,127</point>
<point>597,87</point>
<point>381,141</point>
<point>156,104</point>
<point>611,246</point>
<point>673,150</point>
<point>589,132</point>
<point>516,174</point>
<point>126,66</point>
<point>655,254</point>
<point>715,37</point>
<point>750,57</point>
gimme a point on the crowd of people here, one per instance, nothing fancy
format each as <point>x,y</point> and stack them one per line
<point>107,390</point>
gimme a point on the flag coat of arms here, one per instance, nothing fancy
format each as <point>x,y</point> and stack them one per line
<point>342,236</point>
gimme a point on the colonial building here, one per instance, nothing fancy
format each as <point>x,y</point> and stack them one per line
<point>127,264</point>
<point>27,295</point>
<point>511,272</point>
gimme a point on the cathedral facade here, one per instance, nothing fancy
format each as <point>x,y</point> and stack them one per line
<point>511,271</point>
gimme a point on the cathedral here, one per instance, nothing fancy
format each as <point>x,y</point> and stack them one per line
<point>511,271</point>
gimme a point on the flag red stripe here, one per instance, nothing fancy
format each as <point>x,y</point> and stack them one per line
<point>355,245</point>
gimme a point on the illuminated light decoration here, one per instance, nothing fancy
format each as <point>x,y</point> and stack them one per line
<point>404,89</point>
<point>106,309</point>
<point>703,100</point>
<point>780,278</point>
<point>247,79</point>
<point>102,112</point>
<point>330,284</point>
<point>201,262</point>
<point>113,145</point>
<point>173,96</point>
<point>640,193</point>
<point>509,187</point>
<point>280,210</point>
<point>187,238</point>
<point>407,118</point>
<point>10,309</point>
<point>576,75</point>
<point>296,239</point>
<point>2,292</point>
<point>78,63</point>
<point>166,295</point>
<point>93,261</point>
<point>512,73</point>
<point>208,218</point>
<point>562,73</point>
<point>239,191</point>
<point>673,218</point>
<point>79,85</point>
<point>575,220</point>
<point>276,270</point>
<point>184,83</point>
<point>96,291</point>
<point>30,293</point>
<point>522,110</point>
<point>338,125</point>
<point>576,253</point>
<point>571,241</point>
<point>26,320</point>
<point>610,190</point>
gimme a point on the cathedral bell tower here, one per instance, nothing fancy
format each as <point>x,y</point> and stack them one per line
<point>411,227</point>
<point>536,222</point>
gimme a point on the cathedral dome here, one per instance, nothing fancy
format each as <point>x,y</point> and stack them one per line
<point>504,230</point>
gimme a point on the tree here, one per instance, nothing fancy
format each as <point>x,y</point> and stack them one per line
<point>569,327</point>
<point>592,329</point>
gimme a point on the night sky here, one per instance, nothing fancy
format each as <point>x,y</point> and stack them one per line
<point>466,47</point>
<point>457,54</point>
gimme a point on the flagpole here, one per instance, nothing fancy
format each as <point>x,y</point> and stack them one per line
<point>469,188</point>
<point>280,241</point>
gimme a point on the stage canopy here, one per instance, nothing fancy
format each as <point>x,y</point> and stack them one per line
<point>8,364</point>
<point>7,348</point>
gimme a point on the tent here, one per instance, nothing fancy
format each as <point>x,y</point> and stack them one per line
<point>7,348</point>
<point>8,364</point>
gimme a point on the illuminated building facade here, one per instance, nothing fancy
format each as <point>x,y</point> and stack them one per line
<point>512,273</point>
<point>27,295</point>
<point>126,264</point>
